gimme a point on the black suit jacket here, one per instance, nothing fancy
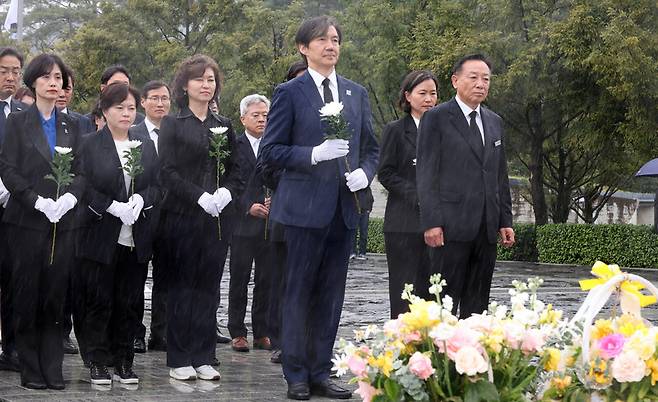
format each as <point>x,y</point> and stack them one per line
<point>140,130</point>
<point>105,183</point>
<point>25,160</point>
<point>85,125</point>
<point>187,171</point>
<point>457,182</point>
<point>397,173</point>
<point>246,224</point>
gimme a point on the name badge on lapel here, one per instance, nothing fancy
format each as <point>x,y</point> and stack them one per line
<point>348,92</point>
<point>497,143</point>
<point>66,130</point>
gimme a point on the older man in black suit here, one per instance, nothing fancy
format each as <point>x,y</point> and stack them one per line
<point>463,188</point>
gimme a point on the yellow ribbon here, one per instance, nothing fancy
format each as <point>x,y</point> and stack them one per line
<point>605,272</point>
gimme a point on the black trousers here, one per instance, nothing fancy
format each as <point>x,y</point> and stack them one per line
<point>362,246</point>
<point>468,269</point>
<point>277,289</point>
<point>316,271</point>
<point>108,305</point>
<point>39,292</point>
<point>197,257</point>
<point>161,280</point>
<point>245,252</point>
<point>409,261</point>
<point>6,302</point>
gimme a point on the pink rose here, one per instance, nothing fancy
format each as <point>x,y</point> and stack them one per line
<point>462,337</point>
<point>413,337</point>
<point>514,333</point>
<point>420,366</point>
<point>393,327</point>
<point>358,366</point>
<point>470,362</point>
<point>628,367</point>
<point>611,345</point>
<point>367,391</point>
<point>533,341</point>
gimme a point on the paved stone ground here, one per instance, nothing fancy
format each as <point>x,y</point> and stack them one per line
<point>251,377</point>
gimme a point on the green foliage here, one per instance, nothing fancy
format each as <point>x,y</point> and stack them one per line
<point>525,248</point>
<point>376,236</point>
<point>625,245</point>
<point>219,150</point>
<point>61,170</point>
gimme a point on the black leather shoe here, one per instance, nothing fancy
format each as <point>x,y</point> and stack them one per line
<point>69,347</point>
<point>330,389</point>
<point>299,391</point>
<point>33,384</point>
<point>275,357</point>
<point>139,346</point>
<point>57,385</point>
<point>9,361</point>
<point>157,344</point>
<point>221,338</point>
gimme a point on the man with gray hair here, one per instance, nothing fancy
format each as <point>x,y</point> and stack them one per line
<point>249,244</point>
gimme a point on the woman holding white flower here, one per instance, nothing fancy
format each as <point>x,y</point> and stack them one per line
<point>115,242</point>
<point>201,176</point>
<point>40,211</point>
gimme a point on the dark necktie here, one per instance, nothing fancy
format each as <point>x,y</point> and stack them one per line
<point>156,131</point>
<point>328,97</point>
<point>475,129</point>
<point>3,119</point>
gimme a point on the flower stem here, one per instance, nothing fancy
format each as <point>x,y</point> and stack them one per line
<point>356,199</point>
<point>52,247</point>
<point>219,226</point>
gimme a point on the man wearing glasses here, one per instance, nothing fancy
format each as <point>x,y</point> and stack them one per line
<point>11,65</point>
<point>156,101</point>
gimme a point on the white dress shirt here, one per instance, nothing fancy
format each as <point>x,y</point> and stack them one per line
<point>7,105</point>
<point>467,111</point>
<point>255,142</point>
<point>126,233</point>
<point>150,127</point>
<point>333,83</point>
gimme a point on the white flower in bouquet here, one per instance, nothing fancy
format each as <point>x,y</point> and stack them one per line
<point>331,109</point>
<point>447,302</point>
<point>442,332</point>
<point>370,331</point>
<point>514,333</point>
<point>340,364</point>
<point>526,317</point>
<point>218,130</point>
<point>63,150</point>
<point>498,311</point>
<point>131,144</point>
<point>644,345</point>
<point>470,362</point>
<point>628,367</point>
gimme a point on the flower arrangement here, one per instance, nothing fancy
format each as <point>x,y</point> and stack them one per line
<point>62,176</point>
<point>219,149</point>
<point>428,354</point>
<point>611,359</point>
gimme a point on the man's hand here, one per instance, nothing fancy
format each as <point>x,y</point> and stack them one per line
<point>434,237</point>
<point>329,149</point>
<point>506,237</point>
<point>259,211</point>
<point>356,180</point>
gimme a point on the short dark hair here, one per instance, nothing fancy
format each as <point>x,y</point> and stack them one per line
<point>111,70</point>
<point>152,85</point>
<point>194,67</point>
<point>23,91</point>
<point>116,93</point>
<point>41,65</point>
<point>476,56</point>
<point>295,68</point>
<point>10,51</point>
<point>410,82</point>
<point>315,28</point>
<point>69,72</point>
<point>96,111</point>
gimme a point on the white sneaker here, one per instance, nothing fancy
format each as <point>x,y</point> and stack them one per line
<point>186,373</point>
<point>206,372</point>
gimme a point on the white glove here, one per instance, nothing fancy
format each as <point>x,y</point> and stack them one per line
<point>64,204</point>
<point>328,150</point>
<point>221,198</point>
<point>123,211</point>
<point>136,202</point>
<point>48,207</point>
<point>207,202</point>
<point>357,180</point>
<point>4,194</point>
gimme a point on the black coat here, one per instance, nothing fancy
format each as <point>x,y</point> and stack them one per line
<point>187,170</point>
<point>397,173</point>
<point>105,183</point>
<point>85,125</point>
<point>246,224</point>
<point>25,161</point>
<point>458,180</point>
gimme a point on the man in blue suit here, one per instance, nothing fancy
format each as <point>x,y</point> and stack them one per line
<point>315,201</point>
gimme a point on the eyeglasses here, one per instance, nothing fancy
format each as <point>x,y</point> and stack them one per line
<point>156,99</point>
<point>16,72</point>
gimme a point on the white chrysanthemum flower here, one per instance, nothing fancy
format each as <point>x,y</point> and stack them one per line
<point>340,364</point>
<point>133,144</point>
<point>219,130</point>
<point>331,109</point>
<point>63,150</point>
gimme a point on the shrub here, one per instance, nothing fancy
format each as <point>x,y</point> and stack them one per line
<point>376,236</point>
<point>525,248</point>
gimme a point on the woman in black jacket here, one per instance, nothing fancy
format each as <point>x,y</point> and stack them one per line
<point>40,220</point>
<point>114,245</point>
<point>199,189</point>
<point>407,255</point>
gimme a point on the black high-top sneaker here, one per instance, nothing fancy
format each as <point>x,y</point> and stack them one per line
<point>99,374</point>
<point>123,372</point>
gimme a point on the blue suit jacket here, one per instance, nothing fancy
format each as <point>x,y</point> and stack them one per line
<point>307,195</point>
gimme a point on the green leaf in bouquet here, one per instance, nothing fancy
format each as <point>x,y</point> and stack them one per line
<point>392,390</point>
<point>481,391</point>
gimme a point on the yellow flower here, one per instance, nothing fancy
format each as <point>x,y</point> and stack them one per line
<point>598,370</point>
<point>383,362</point>
<point>641,344</point>
<point>553,361</point>
<point>494,339</point>
<point>550,316</point>
<point>601,329</point>
<point>652,367</point>
<point>422,314</point>
<point>560,383</point>
<point>628,325</point>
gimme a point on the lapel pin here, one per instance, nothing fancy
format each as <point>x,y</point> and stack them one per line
<point>413,162</point>
<point>348,92</point>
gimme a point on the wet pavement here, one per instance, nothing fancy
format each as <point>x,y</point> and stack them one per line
<point>251,377</point>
